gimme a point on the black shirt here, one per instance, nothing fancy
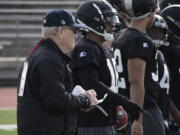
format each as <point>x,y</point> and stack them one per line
<point>134,44</point>
<point>172,56</point>
<point>94,68</point>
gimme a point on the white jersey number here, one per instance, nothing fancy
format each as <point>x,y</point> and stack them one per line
<point>114,74</point>
<point>155,76</point>
<point>121,82</point>
<point>23,79</point>
<point>164,82</point>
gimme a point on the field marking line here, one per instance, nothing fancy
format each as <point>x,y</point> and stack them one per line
<point>8,127</point>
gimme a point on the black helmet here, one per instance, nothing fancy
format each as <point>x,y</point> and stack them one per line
<point>166,3</point>
<point>96,15</point>
<point>158,31</point>
<point>138,9</point>
<point>172,18</point>
<point>117,4</point>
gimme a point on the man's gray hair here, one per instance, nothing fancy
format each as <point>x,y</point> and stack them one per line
<point>49,32</point>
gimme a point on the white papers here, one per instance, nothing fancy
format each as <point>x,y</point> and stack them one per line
<point>79,90</point>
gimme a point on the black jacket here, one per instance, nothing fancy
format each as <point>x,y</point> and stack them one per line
<point>46,106</point>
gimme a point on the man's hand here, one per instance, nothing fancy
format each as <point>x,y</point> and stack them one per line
<point>91,95</point>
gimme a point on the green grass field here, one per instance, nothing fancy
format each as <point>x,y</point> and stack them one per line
<point>7,117</point>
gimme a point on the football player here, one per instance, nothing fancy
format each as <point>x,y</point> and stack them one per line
<point>93,66</point>
<point>137,66</point>
<point>158,32</point>
<point>172,52</point>
<point>172,55</point>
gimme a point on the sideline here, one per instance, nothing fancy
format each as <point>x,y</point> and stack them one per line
<point>7,108</point>
<point>8,127</point>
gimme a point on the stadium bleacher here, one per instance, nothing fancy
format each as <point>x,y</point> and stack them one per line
<point>20,29</point>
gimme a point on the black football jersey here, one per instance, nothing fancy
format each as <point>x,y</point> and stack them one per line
<point>164,83</point>
<point>172,56</point>
<point>88,55</point>
<point>132,44</point>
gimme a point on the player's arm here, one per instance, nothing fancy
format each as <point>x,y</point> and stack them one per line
<point>174,112</point>
<point>136,73</point>
<point>88,78</point>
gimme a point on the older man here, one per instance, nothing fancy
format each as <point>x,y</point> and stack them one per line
<point>45,103</point>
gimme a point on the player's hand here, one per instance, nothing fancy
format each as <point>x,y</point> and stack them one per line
<point>137,128</point>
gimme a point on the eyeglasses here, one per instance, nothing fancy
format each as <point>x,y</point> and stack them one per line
<point>70,28</point>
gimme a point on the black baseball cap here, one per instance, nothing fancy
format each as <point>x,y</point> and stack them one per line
<point>61,17</point>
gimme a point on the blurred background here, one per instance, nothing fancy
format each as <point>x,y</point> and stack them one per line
<point>20,29</point>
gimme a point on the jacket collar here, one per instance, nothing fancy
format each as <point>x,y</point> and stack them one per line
<point>50,43</point>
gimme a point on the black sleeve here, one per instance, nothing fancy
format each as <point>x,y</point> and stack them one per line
<point>141,47</point>
<point>88,78</point>
<point>52,88</point>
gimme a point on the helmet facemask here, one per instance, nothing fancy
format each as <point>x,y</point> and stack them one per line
<point>112,25</point>
<point>159,37</point>
<point>158,31</point>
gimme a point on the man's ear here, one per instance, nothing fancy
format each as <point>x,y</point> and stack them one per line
<point>60,32</point>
